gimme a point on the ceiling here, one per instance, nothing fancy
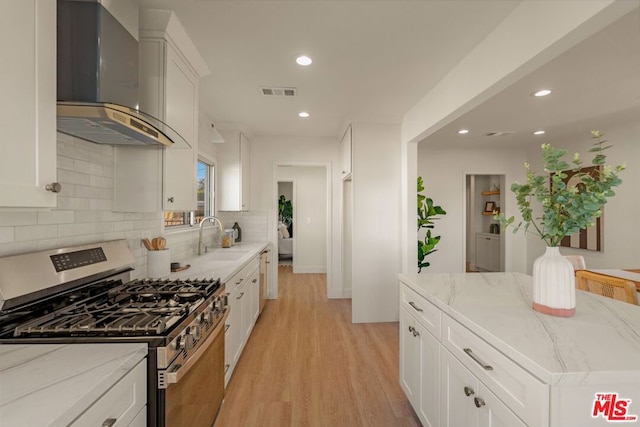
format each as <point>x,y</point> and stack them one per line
<point>595,83</point>
<point>373,61</point>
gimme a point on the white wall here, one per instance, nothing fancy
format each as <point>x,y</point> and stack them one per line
<point>309,217</point>
<point>375,222</point>
<point>621,213</point>
<point>266,153</point>
<point>444,174</point>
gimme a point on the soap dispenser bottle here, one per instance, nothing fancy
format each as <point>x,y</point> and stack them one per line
<point>237,232</point>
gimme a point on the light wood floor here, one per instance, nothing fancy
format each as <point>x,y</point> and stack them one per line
<point>306,364</point>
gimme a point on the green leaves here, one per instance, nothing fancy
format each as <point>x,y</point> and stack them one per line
<point>565,208</point>
<point>427,213</point>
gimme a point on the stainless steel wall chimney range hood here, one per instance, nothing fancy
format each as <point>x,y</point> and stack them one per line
<point>98,80</point>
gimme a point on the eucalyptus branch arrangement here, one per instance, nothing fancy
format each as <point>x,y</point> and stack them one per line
<point>565,208</point>
<point>427,213</point>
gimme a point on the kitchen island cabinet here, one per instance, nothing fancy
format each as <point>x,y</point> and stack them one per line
<point>501,363</point>
<point>73,384</point>
<point>28,113</point>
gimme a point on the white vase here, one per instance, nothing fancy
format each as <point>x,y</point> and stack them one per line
<point>554,284</point>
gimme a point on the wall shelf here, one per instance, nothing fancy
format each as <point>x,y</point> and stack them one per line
<point>487,213</point>
<point>491,193</point>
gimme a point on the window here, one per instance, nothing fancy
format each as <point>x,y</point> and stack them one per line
<point>204,196</point>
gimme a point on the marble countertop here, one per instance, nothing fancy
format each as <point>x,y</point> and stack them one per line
<point>52,384</point>
<point>217,263</point>
<point>601,342</point>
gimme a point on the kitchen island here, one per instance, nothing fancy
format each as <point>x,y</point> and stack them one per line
<point>485,357</point>
<point>63,384</point>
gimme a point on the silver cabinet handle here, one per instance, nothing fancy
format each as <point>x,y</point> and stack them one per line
<point>413,331</point>
<point>468,391</point>
<point>479,402</point>
<point>109,422</point>
<point>412,304</point>
<point>226,368</point>
<point>226,328</point>
<point>170,199</point>
<point>477,360</point>
<point>254,280</point>
<point>241,295</point>
<point>54,187</point>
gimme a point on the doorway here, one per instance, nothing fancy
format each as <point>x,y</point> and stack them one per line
<point>311,203</point>
<point>285,222</point>
<point>484,240</point>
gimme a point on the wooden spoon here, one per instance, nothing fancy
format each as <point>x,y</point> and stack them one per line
<point>161,243</point>
<point>147,244</point>
<point>154,243</point>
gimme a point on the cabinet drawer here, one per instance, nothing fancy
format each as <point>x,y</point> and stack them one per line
<point>237,279</point>
<point>524,394</point>
<point>122,402</point>
<point>427,314</point>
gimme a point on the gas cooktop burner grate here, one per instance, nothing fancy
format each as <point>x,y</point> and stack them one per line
<point>140,307</point>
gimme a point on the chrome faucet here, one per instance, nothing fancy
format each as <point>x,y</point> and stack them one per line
<point>205,219</point>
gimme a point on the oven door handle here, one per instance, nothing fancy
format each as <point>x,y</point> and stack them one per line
<point>174,376</point>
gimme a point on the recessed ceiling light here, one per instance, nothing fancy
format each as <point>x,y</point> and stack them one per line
<point>538,132</point>
<point>542,92</point>
<point>303,60</point>
<point>463,131</point>
<point>303,114</point>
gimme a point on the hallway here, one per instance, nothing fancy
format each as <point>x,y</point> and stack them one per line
<point>306,364</point>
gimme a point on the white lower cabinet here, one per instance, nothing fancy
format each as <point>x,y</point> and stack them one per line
<point>243,297</point>
<point>123,405</point>
<point>467,402</point>
<point>453,378</point>
<point>420,368</point>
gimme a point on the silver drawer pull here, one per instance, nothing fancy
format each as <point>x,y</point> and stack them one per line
<point>412,304</point>
<point>478,361</point>
<point>468,391</point>
<point>226,368</point>
<point>241,295</point>
<point>478,401</point>
<point>109,422</point>
<point>413,331</point>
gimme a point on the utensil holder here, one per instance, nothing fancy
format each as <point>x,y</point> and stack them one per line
<point>159,264</point>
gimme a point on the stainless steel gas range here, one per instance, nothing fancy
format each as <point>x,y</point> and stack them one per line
<point>84,294</point>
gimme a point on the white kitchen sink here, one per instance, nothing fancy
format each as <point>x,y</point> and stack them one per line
<point>227,255</point>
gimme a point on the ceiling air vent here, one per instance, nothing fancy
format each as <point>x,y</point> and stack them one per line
<point>279,91</point>
<point>500,133</point>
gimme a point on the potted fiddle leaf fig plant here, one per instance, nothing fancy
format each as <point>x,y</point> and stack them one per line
<point>427,213</point>
<point>570,197</point>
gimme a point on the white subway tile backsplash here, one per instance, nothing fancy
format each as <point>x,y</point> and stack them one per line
<point>87,167</point>
<point>19,218</point>
<point>65,163</point>
<point>101,182</point>
<point>35,232</point>
<point>56,217</point>
<point>74,177</point>
<point>73,203</point>
<point>7,234</point>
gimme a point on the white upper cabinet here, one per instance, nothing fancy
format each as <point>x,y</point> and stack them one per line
<point>28,113</point>
<point>170,70</point>
<point>234,176</point>
<point>345,146</point>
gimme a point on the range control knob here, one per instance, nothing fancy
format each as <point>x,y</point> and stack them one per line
<point>206,317</point>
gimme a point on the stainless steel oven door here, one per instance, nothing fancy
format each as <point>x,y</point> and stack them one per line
<point>195,389</point>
